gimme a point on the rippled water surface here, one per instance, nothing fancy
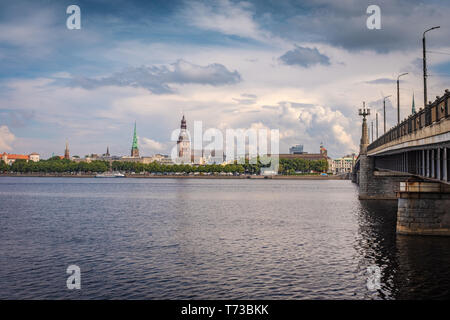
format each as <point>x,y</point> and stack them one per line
<point>208,239</point>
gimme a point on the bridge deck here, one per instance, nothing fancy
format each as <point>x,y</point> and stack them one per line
<point>419,145</point>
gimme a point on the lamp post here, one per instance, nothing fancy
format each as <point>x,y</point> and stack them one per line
<point>425,67</point>
<point>377,123</point>
<point>371,123</point>
<point>384,111</point>
<point>398,96</point>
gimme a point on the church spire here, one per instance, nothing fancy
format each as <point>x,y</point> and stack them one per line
<point>183,123</point>
<point>413,108</point>
<point>134,146</point>
<point>66,151</point>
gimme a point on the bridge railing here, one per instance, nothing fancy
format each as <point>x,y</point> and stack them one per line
<point>432,113</point>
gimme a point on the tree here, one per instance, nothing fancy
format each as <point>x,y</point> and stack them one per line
<point>3,166</point>
<point>19,166</point>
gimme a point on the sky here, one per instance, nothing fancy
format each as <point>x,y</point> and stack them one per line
<point>303,67</point>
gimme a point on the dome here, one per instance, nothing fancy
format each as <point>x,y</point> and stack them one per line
<point>183,136</point>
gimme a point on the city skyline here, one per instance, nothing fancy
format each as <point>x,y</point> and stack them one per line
<point>127,63</point>
<point>136,147</point>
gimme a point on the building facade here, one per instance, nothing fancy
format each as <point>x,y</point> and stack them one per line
<point>11,158</point>
<point>161,159</point>
<point>297,149</point>
<point>344,164</point>
<point>35,157</point>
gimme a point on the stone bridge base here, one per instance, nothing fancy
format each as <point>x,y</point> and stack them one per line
<point>423,209</point>
<point>377,185</point>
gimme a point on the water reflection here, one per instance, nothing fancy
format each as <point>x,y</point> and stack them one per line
<point>412,267</point>
<point>423,270</point>
<point>205,239</point>
<point>376,243</point>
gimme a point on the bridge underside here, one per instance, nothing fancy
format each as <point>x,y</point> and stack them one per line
<point>429,162</point>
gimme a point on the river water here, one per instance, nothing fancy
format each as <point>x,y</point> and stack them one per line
<point>209,239</point>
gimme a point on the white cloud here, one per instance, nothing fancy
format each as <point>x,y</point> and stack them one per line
<point>6,139</point>
<point>158,79</point>
<point>304,57</point>
<point>225,17</point>
<point>312,124</point>
<point>343,137</point>
<point>148,145</point>
<point>36,31</point>
<point>33,33</point>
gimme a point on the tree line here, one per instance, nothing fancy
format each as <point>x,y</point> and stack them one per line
<point>291,166</point>
<point>57,165</point>
<point>54,165</point>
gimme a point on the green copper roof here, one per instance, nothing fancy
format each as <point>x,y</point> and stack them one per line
<point>413,106</point>
<point>135,141</point>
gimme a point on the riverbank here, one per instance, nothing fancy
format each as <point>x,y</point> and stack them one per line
<point>143,176</point>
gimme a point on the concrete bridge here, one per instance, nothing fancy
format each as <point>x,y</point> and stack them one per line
<point>410,163</point>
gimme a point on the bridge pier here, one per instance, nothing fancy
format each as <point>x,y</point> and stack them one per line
<point>377,185</point>
<point>423,209</point>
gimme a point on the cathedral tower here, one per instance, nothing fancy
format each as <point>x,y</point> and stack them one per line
<point>184,144</point>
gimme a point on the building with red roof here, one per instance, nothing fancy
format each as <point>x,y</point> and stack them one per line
<point>10,158</point>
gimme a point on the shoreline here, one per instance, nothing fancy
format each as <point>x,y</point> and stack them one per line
<point>139,176</point>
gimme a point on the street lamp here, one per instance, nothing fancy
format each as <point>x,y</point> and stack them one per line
<point>377,123</point>
<point>425,67</point>
<point>398,96</point>
<point>384,111</point>
<point>372,130</point>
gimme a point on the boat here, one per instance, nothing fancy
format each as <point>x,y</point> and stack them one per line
<point>110,175</point>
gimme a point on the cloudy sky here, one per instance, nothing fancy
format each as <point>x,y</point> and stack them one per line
<point>303,67</point>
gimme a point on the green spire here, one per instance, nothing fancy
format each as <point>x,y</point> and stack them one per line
<point>413,106</point>
<point>135,141</point>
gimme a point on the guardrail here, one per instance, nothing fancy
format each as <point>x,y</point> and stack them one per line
<point>432,113</point>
